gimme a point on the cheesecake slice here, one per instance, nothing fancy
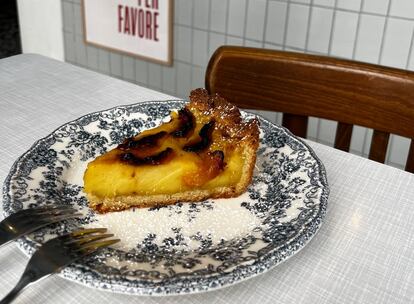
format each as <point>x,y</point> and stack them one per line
<point>206,150</point>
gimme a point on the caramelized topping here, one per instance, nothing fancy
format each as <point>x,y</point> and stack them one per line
<point>205,139</point>
<point>220,128</point>
<point>157,159</point>
<point>226,115</point>
<point>150,141</point>
<point>187,123</point>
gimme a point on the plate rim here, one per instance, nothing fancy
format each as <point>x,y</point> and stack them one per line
<point>300,241</point>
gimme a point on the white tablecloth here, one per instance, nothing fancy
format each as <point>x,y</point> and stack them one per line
<point>364,252</point>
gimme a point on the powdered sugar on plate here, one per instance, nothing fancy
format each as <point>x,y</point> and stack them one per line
<point>221,219</point>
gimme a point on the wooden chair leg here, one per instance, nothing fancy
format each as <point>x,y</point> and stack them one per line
<point>379,145</point>
<point>343,136</point>
<point>297,124</point>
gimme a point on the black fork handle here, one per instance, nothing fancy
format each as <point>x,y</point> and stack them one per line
<point>4,236</point>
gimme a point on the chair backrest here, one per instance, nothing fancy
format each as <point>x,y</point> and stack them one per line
<point>301,85</point>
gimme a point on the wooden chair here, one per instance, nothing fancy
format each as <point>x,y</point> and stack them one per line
<point>301,85</point>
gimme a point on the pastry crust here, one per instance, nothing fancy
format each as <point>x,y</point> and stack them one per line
<point>232,129</point>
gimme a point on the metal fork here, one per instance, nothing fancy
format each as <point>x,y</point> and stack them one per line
<point>28,220</point>
<point>59,252</point>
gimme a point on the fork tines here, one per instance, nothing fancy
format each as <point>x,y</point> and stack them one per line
<point>44,215</point>
<point>70,247</point>
<point>28,220</point>
<point>59,252</point>
<point>55,209</point>
<point>86,241</point>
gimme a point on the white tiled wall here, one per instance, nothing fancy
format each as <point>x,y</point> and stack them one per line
<point>375,31</point>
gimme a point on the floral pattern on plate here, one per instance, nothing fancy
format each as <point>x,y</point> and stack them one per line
<point>181,248</point>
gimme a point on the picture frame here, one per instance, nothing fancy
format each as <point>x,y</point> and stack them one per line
<point>138,28</point>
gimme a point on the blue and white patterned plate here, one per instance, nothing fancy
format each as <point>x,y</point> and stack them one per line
<point>183,248</point>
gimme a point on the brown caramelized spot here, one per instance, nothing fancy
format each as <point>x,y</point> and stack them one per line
<point>205,139</point>
<point>156,159</point>
<point>212,164</point>
<point>187,123</point>
<point>147,142</point>
<point>218,157</point>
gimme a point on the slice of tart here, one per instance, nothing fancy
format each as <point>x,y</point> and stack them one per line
<point>205,151</point>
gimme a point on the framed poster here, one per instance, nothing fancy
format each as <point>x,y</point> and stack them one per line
<point>141,28</point>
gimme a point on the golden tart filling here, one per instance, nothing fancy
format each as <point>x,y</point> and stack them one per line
<point>205,150</point>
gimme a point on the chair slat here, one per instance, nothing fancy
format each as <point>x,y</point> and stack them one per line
<point>410,160</point>
<point>343,136</point>
<point>379,145</point>
<point>354,93</point>
<point>296,124</point>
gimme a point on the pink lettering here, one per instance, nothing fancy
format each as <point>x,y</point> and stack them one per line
<point>120,18</point>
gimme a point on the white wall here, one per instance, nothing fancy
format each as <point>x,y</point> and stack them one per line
<point>41,27</point>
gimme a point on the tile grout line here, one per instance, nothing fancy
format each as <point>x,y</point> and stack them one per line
<point>384,32</point>
<point>286,25</point>
<point>174,60</point>
<point>191,43</point>
<point>254,40</point>
<point>357,32</point>
<point>109,63</point>
<point>121,67</point>
<point>135,71</point>
<point>74,31</point>
<point>208,26</point>
<point>324,7</point>
<point>296,3</point>
<point>407,65</point>
<point>308,26</point>
<point>346,10</point>
<point>176,9</point>
<point>389,147</point>
<point>270,42</point>
<point>265,23</point>
<point>226,27</point>
<point>331,34</point>
<point>246,6</point>
<point>161,78</point>
<point>63,29</point>
<point>365,141</point>
<point>147,73</point>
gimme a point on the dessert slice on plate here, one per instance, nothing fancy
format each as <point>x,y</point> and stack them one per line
<point>205,151</point>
